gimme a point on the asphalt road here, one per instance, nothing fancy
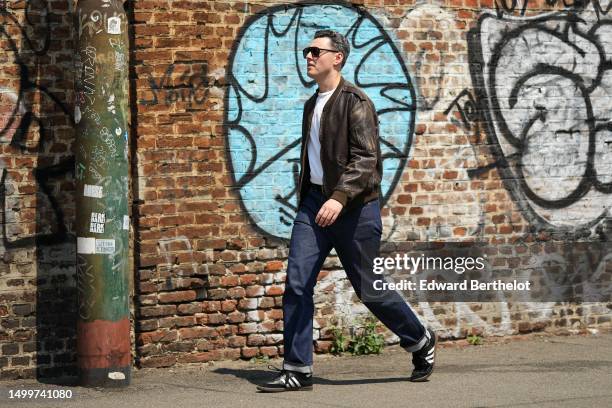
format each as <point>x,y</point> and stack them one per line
<point>572,371</point>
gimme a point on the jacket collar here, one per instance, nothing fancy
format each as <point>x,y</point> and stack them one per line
<point>336,91</point>
<point>333,97</point>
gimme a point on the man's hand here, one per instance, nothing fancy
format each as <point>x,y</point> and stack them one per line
<point>328,213</point>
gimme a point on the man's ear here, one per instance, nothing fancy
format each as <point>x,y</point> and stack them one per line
<point>339,59</point>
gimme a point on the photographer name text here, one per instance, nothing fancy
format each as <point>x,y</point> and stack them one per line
<point>433,285</point>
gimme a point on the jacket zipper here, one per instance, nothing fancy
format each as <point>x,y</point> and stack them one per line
<point>321,143</point>
<point>303,158</point>
<point>303,162</point>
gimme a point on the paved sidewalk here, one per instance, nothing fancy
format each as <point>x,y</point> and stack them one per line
<point>573,371</point>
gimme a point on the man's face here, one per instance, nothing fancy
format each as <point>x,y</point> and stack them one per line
<point>319,67</point>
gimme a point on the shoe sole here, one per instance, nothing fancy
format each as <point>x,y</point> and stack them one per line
<point>264,389</point>
<point>421,379</point>
<point>425,377</point>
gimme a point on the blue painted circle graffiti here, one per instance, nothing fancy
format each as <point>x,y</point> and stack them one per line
<point>267,89</point>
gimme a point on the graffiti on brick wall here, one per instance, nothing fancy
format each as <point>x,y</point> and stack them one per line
<point>192,88</point>
<point>550,123</point>
<point>22,123</point>
<point>268,87</point>
<point>455,319</point>
<point>429,32</point>
<point>21,117</point>
<point>168,248</point>
<point>503,7</point>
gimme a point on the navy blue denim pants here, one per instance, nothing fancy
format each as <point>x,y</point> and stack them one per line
<point>356,237</point>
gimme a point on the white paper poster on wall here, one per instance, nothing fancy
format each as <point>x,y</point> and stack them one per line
<point>105,246</point>
<point>92,191</point>
<point>89,246</point>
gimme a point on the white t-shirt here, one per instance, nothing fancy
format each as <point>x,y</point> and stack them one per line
<point>314,145</point>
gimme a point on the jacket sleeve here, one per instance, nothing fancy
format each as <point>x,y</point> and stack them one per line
<point>363,145</point>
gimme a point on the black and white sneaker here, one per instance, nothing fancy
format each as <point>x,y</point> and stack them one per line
<point>423,359</point>
<point>287,381</point>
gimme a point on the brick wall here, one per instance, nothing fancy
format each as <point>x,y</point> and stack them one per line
<point>37,273</point>
<point>216,110</point>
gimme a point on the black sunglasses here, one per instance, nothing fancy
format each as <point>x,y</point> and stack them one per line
<point>315,51</point>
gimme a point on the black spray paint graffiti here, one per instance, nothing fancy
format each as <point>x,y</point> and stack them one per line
<point>550,123</point>
<point>467,108</point>
<point>17,126</point>
<point>503,7</point>
<point>423,103</point>
<point>192,88</point>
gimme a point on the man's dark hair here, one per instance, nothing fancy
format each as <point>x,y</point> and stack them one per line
<point>338,41</point>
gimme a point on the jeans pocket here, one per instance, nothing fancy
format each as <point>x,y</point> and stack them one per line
<point>368,230</point>
<point>370,218</point>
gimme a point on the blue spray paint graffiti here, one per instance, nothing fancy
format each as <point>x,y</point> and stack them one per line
<point>269,85</point>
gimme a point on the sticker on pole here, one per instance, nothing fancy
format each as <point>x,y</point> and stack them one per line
<point>92,191</point>
<point>105,246</point>
<point>86,245</point>
<point>89,246</point>
<point>114,25</point>
<point>97,223</point>
<point>126,222</point>
<point>116,375</point>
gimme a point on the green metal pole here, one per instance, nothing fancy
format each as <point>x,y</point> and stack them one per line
<point>102,222</point>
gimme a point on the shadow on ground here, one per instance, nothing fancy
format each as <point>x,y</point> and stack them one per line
<point>257,376</point>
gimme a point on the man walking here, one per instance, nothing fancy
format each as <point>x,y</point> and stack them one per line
<point>338,207</point>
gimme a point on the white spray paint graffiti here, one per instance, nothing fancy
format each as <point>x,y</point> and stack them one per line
<point>550,122</point>
<point>166,250</point>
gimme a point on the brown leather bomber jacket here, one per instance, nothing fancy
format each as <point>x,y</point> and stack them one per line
<point>350,151</point>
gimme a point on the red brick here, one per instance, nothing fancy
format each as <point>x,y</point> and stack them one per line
<point>236,293</point>
<point>211,306</point>
<point>231,354</point>
<point>450,174</point>
<point>274,290</point>
<point>249,352</point>
<point>274,266</point>
<point>236,317</point>
<point>274,314</point>
<point>151,311</point>
<point>197,332</point>
<point>230,281</point>
<point>228,305</point>
<point>245,328</point>
<point>189,309</point>
<point>270,351</point>
<point>214,318</point>
<point>176,297</point>
<point>157,336</point>
<point>158,361</point>
<point>236,341</point>
<point>256,290</point>
<point>256,340</point>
